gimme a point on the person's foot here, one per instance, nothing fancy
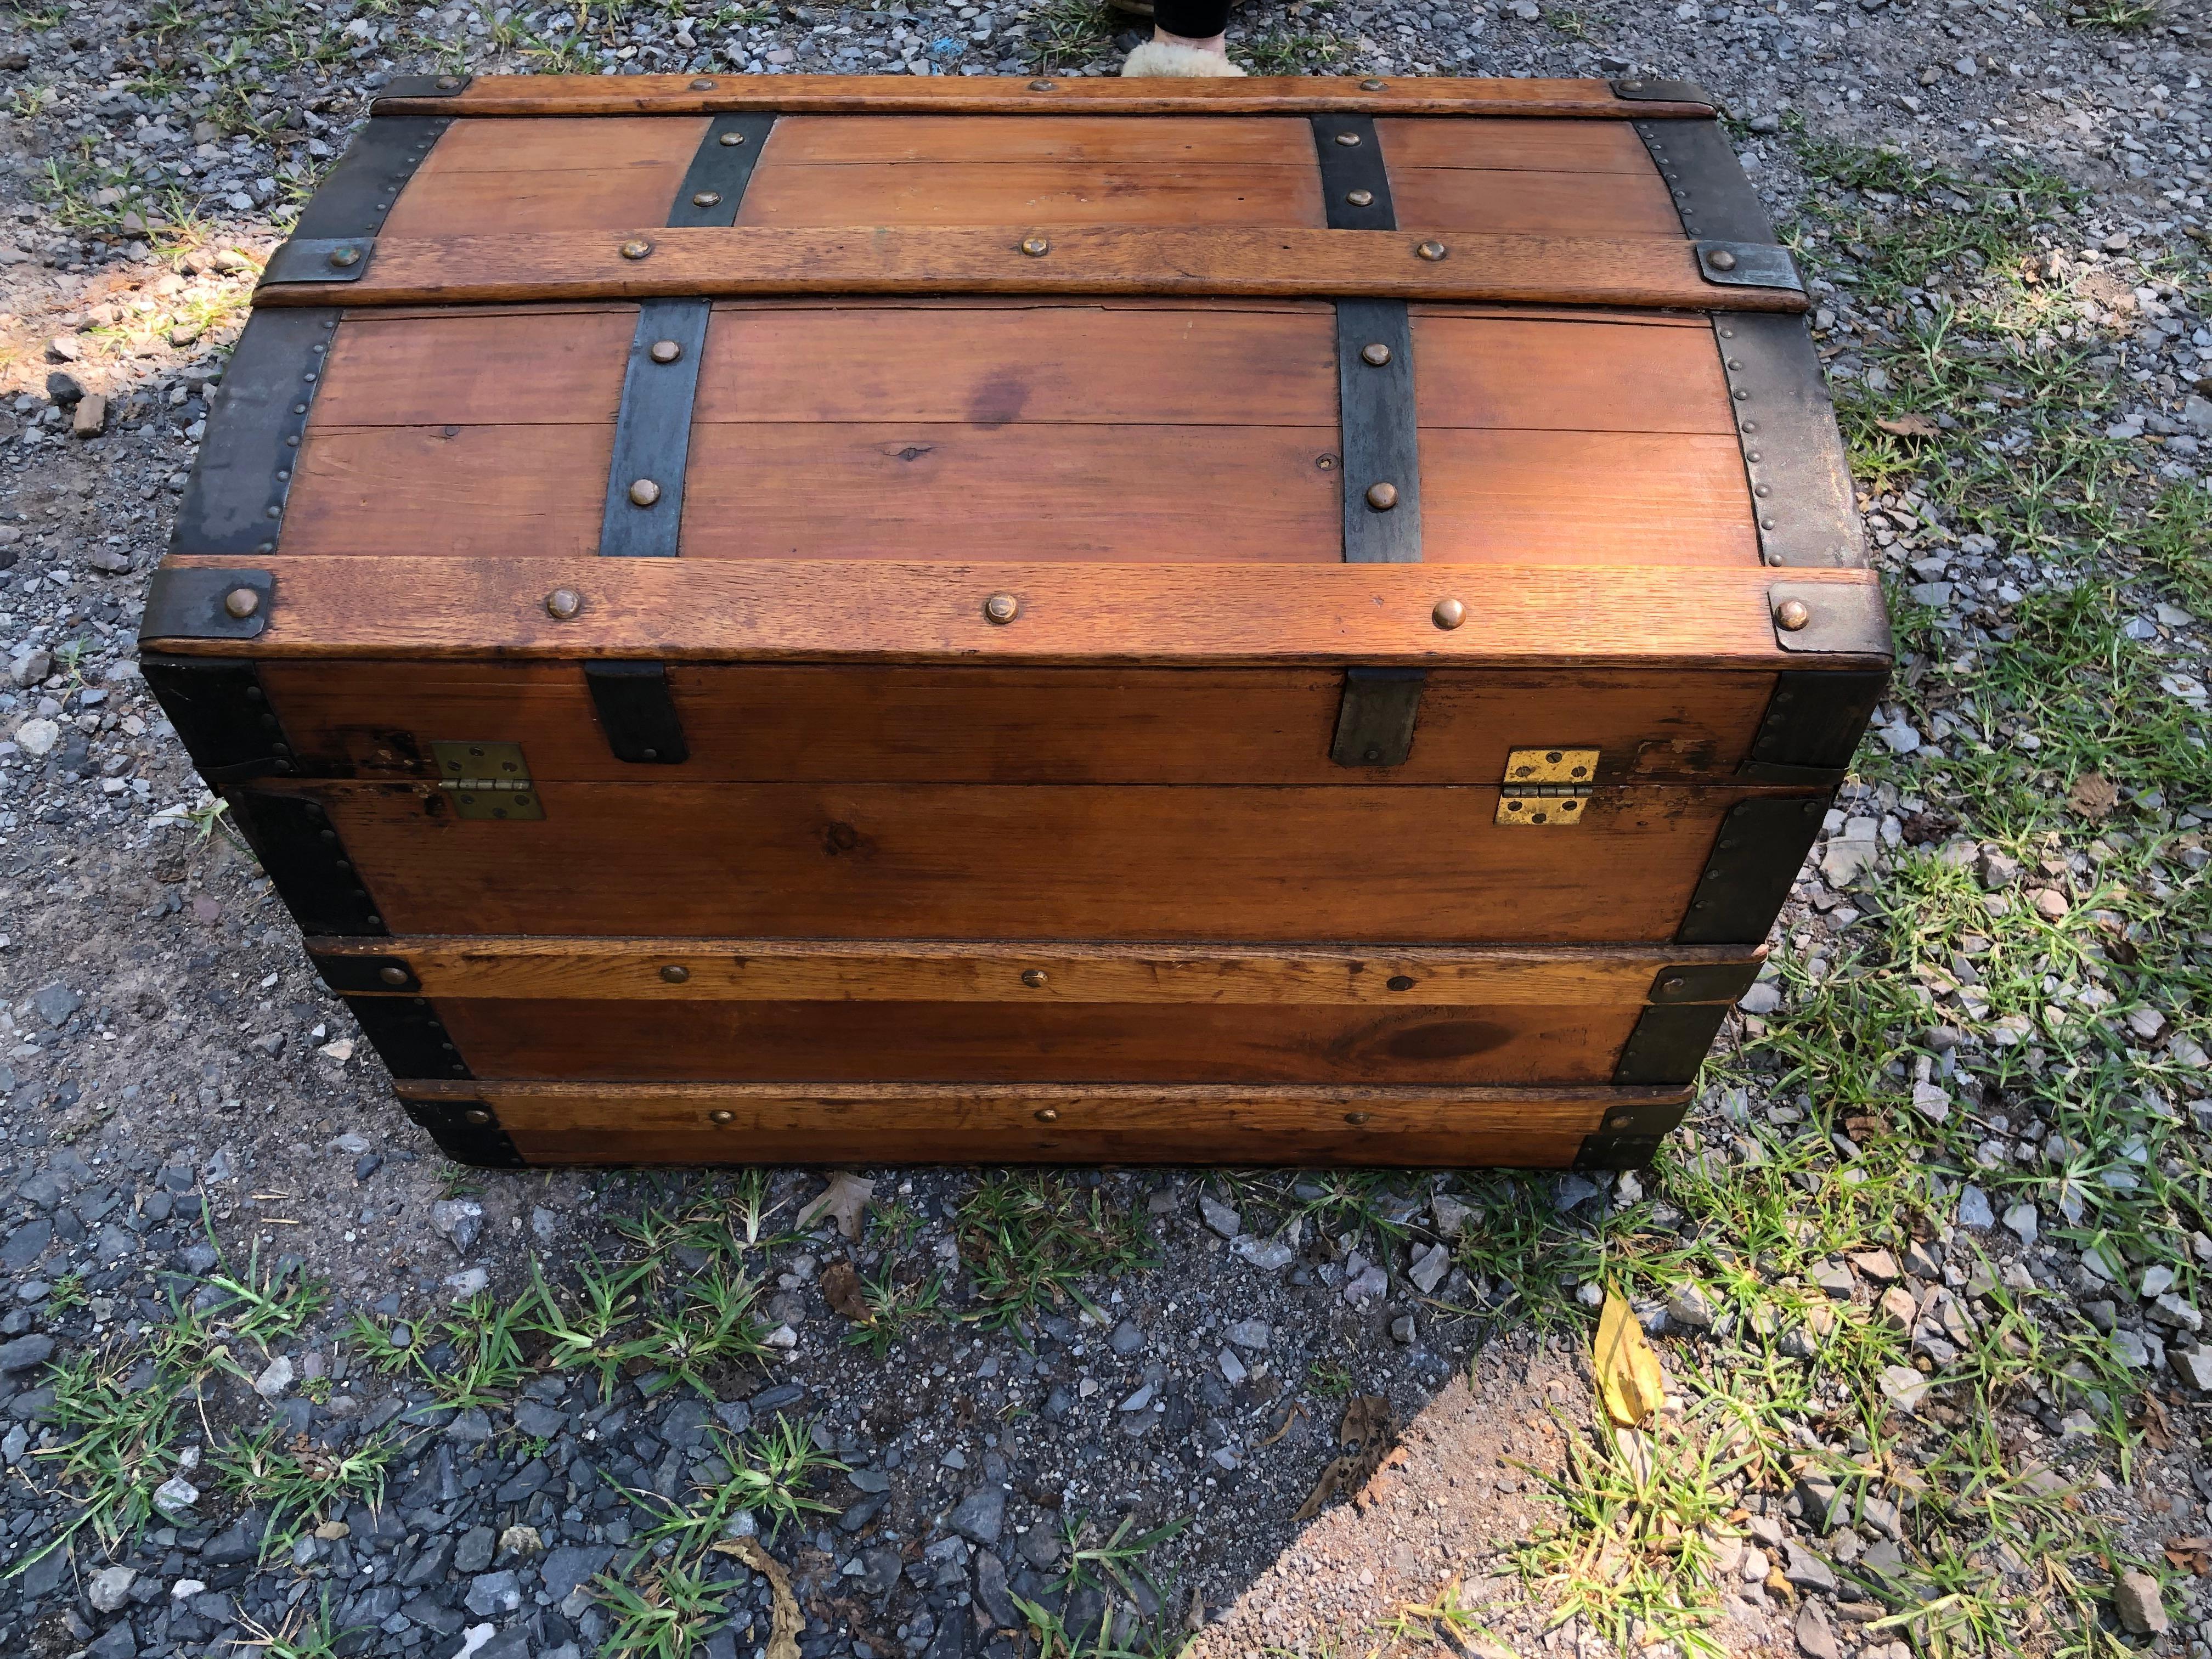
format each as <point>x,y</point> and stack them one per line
<point>1166,54</point>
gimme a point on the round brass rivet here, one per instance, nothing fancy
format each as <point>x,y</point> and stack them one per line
<point>449,83</point>
<point>345,256</point>
<point>1040,86</point>
<point>1748,427</point>
<point>1036,247</point>
<point>1378,354</point>
<point>1791,615</point>
<point>1047,1115</point>
<point>1401,982</point>
<point>636,248</point>
<point>702,85</point>
<point>1631,86</point>
<point>1002,607</point>
<point>644,492</point>
<point>1373,86</point>
<point>705,198</point>
<point>666,351</point>
<point>1033,978</point>
<point>1355,1117</point>
<point>1347,139</point>
<point>721,1114</point>
<point>476,1115</point>
<point>1721,259</point>
<point>1432,251</point>
<point>1449,613</point>
<point>1619,1121</point>
<point>731,140</point>
<point>1675,983</point>
<point>1383,496</point>
<point>392,975</point>
<point>1360,198</point>
<point>563,603</point>
<point>676,973</point>
<point>1326,463</point>
<point>242,602</point>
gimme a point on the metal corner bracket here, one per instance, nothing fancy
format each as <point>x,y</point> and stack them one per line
<point>467,1132</point>
<point>1749,264</point>
<point>198,604</point>
<point>1641,89</point>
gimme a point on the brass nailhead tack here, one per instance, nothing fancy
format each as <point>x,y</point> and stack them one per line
<point>1792,615</point>
<point>476,1115</point>
<point>242,602</point>
<point>447,82</point>
<point>644,492</point>
<point>1347,139</point>
<point>1360,198</point>
<point>1033,978</point>
<point>676,973</point>
<point>636,249</point>
<point>721,1115</point>
<point>562,603</point>
<point>1040,86</point>
<point>1002,607</point>
<point>666,351</point>
<point>392,975</point>
<point>1036,247</point>
<point>702,85</point>
<point>1383,496</point>
<point>1378,354</point>
<point>1373,86</point>
<point>1432,251</point>
<point>1047,1115</point>
<point>345,256</point>
<point>731,140</point>
<point>1355,1117</point>
<point>1449,613</point>
<point>705,198</point>
<point>1721,259</point>
<point>1619,1121</point>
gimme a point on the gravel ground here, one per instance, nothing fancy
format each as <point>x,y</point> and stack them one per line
<point>1924,1274</point>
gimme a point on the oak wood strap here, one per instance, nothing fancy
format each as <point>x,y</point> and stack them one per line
<point>1640,271</point>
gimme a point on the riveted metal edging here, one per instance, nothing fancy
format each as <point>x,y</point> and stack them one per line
<point>1629,1136</point>
<point>1793,454</point>
<point>1755,858</point>
<point>221,714</point>
<point>1712,197</point>
<point>1663,92</point>
<point>715,182</point>
<point>644,514</point>
<point>198,604</point>
<point>467,1131</point>
<point>1702,981</point>
<point>409,1037</point>
<point>636,712</point>
<point>1845,618</point>
<point>334,239</point>
<point>306,862</point>
<point>1355,184</point>
<point>1668,1044</point>
<point>1813,725</point>
<point>1381,445</point>
<point>346,972</point>
<point>233,505</point>
<point>1749,264</point>
<point>1375,721</point>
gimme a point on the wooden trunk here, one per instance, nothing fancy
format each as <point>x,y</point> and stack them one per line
<point>877,619</point>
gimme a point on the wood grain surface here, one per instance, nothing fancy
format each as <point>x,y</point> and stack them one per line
<point>1032,972</point>
<point>1502,144</point>
<point>676,95</point>
<point>1035,192</point>
<point>491,269</point>
<point>857,722</point>
<point>949,861</point>
<point>581,1041</point>
<point>1552,616</point>
<point>1473,1127</point>
<point>540,178</point>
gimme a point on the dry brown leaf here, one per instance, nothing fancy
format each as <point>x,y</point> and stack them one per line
<point>1365,1435</point>
<point>783,1618</point>
<point>2192,1555</point>
<point>1910,426</point>
<point>2093,797</point>
<point>841,1289</point>
<point>846,1198</point>
<point>1630,1386</point>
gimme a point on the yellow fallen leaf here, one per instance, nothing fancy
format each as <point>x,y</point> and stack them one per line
<point>1630,1385</point>
<point>783,1618</point>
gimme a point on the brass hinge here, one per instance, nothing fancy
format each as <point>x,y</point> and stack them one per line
<point>1547,786</point>
<point>487,780</point>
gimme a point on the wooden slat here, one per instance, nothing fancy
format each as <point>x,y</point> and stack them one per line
<point>786,723</point>
<point>1619,271</point>
<point>1551,616</point>
<point>1025,361</point>
<point>672,95</point>
<point>1131,494</point>
<point>1500,145</point>
<point>1161,141</point>
<point>538,176</point>
<point>753,971</point>
<point>469,369</point>
<point>818,1041</point>
<point>588,1123</point>
<point>1454,199</point>
<point>946,861</point>
<point>466,492</point>
<point>1032,192</point>
<point>1667,499</point>
<point>1587,375</point>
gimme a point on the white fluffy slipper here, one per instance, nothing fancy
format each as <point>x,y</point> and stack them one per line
<point>1157,57</point>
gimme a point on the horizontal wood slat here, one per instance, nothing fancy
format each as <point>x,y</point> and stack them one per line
<point>1196,615</point>
<point>953,861</point>
<point>866,970</point>
<point>864,723</point>
<point>675,94</point>
<point>465,369</point>
<point>1157,140</point>
<point>1033,192</point>
<point>493,269</point>
<point>1505,145</point>
<point>606,1123</point>
<point>1452,200</point>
